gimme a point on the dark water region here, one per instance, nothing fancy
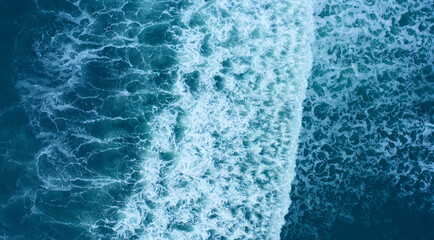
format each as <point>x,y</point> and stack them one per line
<point>17,142</point>
<point>366,153</point>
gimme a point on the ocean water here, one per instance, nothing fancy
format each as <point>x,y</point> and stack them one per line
<point>153,119</point>
<point>216,119</point>
<point>366,156</point>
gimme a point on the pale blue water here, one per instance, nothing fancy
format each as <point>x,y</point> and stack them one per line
<point>176,119</point>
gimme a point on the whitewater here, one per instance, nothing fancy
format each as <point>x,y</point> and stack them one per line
<point>222,155</point>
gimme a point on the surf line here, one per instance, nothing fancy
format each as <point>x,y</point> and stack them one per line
<point>222,156</point>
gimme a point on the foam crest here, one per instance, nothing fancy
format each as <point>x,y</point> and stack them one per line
<point>221,157</point>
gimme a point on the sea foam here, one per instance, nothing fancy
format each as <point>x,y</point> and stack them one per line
<point>222,155</point>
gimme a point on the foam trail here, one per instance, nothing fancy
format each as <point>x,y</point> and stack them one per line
<point>222,155</point>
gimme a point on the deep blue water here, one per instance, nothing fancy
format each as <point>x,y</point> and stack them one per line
<point>196,119</point>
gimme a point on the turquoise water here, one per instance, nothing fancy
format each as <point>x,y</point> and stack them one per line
<point>216,119</point>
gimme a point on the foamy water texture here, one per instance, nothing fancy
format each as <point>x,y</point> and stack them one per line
<point>365,162</point>
<point>222,155</point>
<point>155,119</point>
<point>180,119</point>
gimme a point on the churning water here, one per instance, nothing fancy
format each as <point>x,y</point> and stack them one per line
<point>189,119</point>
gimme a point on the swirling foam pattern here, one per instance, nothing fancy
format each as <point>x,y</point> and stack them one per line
<point>365,161</point>
<point>149,119</point>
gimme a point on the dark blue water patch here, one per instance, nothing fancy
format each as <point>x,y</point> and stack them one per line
<point>395,224</point>
<point>10,19</point>
<point>14,129</point>
<point>18,146</point>
<point>192,81</point>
